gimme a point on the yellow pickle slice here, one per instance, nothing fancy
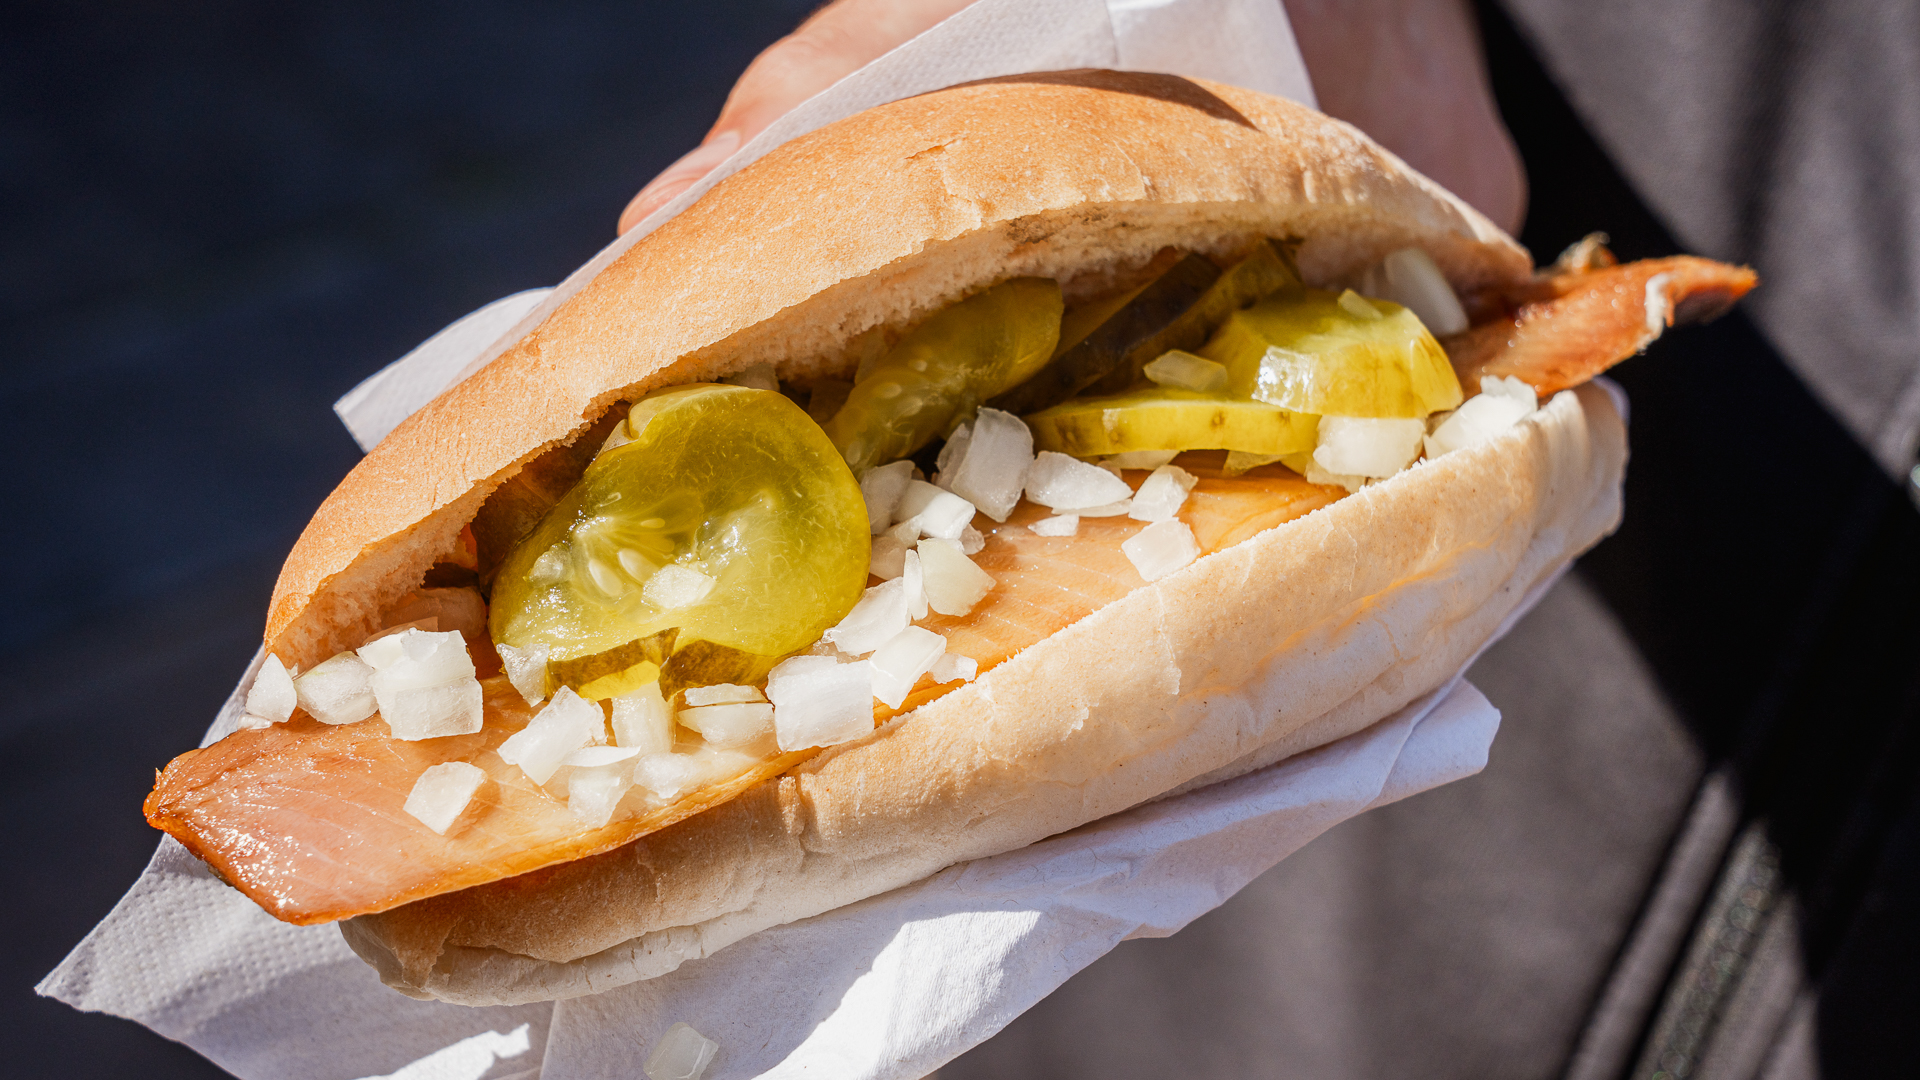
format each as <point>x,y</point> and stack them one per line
<point>944,368</point>
<point>1167,419</point>
<point>725,514</point>
<point>1335,354</point>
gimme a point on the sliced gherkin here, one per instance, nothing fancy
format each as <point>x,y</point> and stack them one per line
<point>1164,419</point>
<point>944,368</point>
<point>1268,269</point>
<point>1142,315</point>
<point>1336,355</point>
<point>727,515</point>
<point>705,663</point>
<point>620,670</point>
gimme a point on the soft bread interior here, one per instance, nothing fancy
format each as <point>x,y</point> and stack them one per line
<point>851,234</point>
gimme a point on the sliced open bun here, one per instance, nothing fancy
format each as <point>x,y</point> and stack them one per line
<point>1301,635</point>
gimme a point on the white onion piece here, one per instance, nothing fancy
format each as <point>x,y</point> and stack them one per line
<point>424,684</point>
<point>950,454</point>
<point>1409,277</point>
<point>952,667</point>
<point>953,582</point>
<point>597,778</point>
<point>1057,525</point>
<point>666,775</point>
<point>1659,307</point>
<point>1068,484</point>
<point>1183,370</point>
<point>1161,548</point>
<point>442,793</point>
<point>568,723</point>
<point>1239,461</point>
<point>250,722</point>
<point>898,664</point>
<point>272,696</point>
<point>818,701</point>
<point>731,725</point>
<point>1141,459</point>
<point>971,542</point>
<point>888,559</point>
<point>990,470</point>
<point>932,512</point>
<point>1367,446</point>
<point>642,721</point>
<point>338,691</point>
<point>682,1054</point>
<point>676,587</point>
<point>526,670</point>
<point>1162,494</point>
<point>1114,509</point>
<point>882,489</point>
<point>1501,403</point>
<point>913,582</point>
<point>720,694</point>
<point>758,377</point>
<point>1358,306</point>
<point>1317,475</point>
<point>880,614</point>
<point>430,624</point>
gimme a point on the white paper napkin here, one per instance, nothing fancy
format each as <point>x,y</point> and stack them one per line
<point>887,988</point>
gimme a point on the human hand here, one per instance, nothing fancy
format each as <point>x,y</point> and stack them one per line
<point>1410,73</point>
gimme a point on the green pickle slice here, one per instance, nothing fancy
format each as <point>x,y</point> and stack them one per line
<point>944,368</point>
<point>1168,419</point>
<point>728,517</point>
<point>1331,354</point>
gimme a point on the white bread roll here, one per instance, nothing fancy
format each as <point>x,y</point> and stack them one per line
<point>1304,634</point>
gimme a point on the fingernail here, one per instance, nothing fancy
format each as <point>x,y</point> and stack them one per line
<point>679,176</point>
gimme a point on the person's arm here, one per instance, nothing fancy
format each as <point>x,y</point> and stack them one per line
<point>1408,72</point>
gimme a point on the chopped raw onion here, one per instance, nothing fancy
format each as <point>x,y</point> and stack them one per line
<point>990,469</point>
<point>442,793</point>
<point>1114,509</point>
<point>1161,494</point>
<point>971,542</point>
<point>1659,307</point>
<point>1317,475</point>
<point>1366,446</point>
<point>1239,461</point>
<point>424,684</point>
<point>568,723</point>
<point>913,581</point>
<point>666,775</point>
<point>932,512</point>
<point>899,663</point>
<point>676,587</point>
<point>338,691</point>
<point>1182,370</point>
<point>1357,306</point>
<point>1501,403</point>
<point>526,670</point>
<point>758,377</point>
<point>642,721</point>
<point>597,778</point>
<point>730,725</point>
<point>250,722</point>
<point>1409,277</point>
<point>1161,548</point>
<point>889,558</point>
<point>882,488</point>
<point>880,614</point>
<point>1057,525</point>
<point>1141,459</point>
<point>272,696</point>
<point>721,694</point>
<point>682,1054</point>
<point>818,701</point>
<point>953,582</point>
<point>950,454</point>
<point>952,667</point>
<point>1067,484</point>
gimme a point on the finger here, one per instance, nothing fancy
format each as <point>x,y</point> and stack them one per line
<point>836,41</point>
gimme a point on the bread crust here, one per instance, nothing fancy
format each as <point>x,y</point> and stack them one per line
<point>1299,636</point>
<point>1070,174</point>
